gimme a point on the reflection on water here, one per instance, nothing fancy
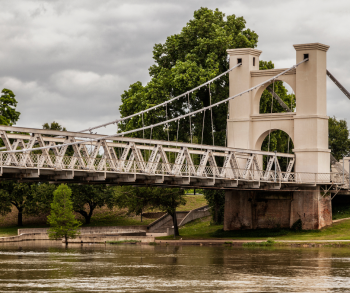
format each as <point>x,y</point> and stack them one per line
<point>29,267</point>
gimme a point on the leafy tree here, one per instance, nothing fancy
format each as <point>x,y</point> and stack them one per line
<point>136,199</point>
<point>168,200</point>
<point>91,196</point>
<point>184,61</point>
<point>54,126</point>
<point>8,103</point>
<point>216,200</point>
<point>164,199</point>
<point>338,137</point>
<point>27,198</point>
<point>19,195</point>
<point>62,221</point>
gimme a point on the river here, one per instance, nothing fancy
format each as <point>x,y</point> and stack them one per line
<point>44,267</point>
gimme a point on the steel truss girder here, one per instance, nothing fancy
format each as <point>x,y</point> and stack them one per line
<point>133,160</point>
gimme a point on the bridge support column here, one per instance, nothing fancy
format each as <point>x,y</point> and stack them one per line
<point>276,209</point>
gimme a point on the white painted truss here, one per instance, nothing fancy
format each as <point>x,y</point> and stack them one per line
<point>143,161</point>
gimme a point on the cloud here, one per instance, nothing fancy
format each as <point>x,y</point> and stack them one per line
<point>70,61</point>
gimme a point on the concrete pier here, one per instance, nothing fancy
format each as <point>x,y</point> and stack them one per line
<point>249,209</point>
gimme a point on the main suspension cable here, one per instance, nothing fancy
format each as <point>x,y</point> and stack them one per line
<point>114,136</point>
<point>162,104</point>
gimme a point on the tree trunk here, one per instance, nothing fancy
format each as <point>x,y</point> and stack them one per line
<point>87,216</point>
<point>176,228</point>
<point>20,217</point>
<point>194,191</point>
<point>141,216</point>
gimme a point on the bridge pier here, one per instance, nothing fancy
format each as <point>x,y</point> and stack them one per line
<point>250,209</point>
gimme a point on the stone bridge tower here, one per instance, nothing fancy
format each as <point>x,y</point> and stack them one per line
<point>307,127</point>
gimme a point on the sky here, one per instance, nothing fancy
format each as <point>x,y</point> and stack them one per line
<point>70,61</point>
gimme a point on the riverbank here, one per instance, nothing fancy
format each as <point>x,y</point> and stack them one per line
<point>101,217</point>
<point>202,229</point>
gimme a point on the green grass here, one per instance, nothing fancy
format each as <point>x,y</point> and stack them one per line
<point>193,202</point>
<point>202,229</point>
<point>12,231</point>
<point>110,219</point>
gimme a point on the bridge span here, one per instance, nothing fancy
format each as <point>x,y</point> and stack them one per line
<point>255,196</point>
<point>137,161</point>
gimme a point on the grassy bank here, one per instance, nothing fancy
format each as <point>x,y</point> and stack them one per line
<point>202,229</point>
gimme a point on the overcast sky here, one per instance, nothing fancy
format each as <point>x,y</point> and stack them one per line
<point>69,61</point>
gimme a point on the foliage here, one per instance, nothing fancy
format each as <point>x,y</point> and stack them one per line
<point>216,200</point>
<point>8,103</point>
<point>54,126</point>
<point>28,198</point>
<point>19,195</point>
<point>164,199</point>
<point>269,242</point>
<point>136,199</point>
<point>92,196</point>
<point>62,221</point>
<point>168,200</point>
<point>184,61</point>
<point>338,138</point>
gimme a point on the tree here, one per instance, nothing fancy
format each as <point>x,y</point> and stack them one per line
<point>216,200</point>
<point>168,200</point>
<point>54,126</point>
<point>136,199</point>
<point>8,103</point>
<point>164,199</point>
<point>19,195</point>
<point>184,61</point>
<point>62,220</point>
<point>27,198</point>
<point>338,137</point>
<point>92,196</point>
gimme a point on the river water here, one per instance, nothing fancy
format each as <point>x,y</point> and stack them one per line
<point>35,267</point>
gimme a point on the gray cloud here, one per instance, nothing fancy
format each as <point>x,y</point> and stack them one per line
<point>70,61</point>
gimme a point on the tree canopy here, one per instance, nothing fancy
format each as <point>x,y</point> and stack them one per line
<point>182,62</point>
<point>8,104</point>
<point>164,199</point>
<point>338,137</point>
<point>27,198</point>
<point>86,198</point>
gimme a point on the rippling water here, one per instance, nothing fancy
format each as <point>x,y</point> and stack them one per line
<point>31,267</point>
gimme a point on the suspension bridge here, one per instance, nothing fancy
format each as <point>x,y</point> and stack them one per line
<point>41,155</point>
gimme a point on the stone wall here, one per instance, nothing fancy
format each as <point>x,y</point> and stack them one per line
<point>249,209</point>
